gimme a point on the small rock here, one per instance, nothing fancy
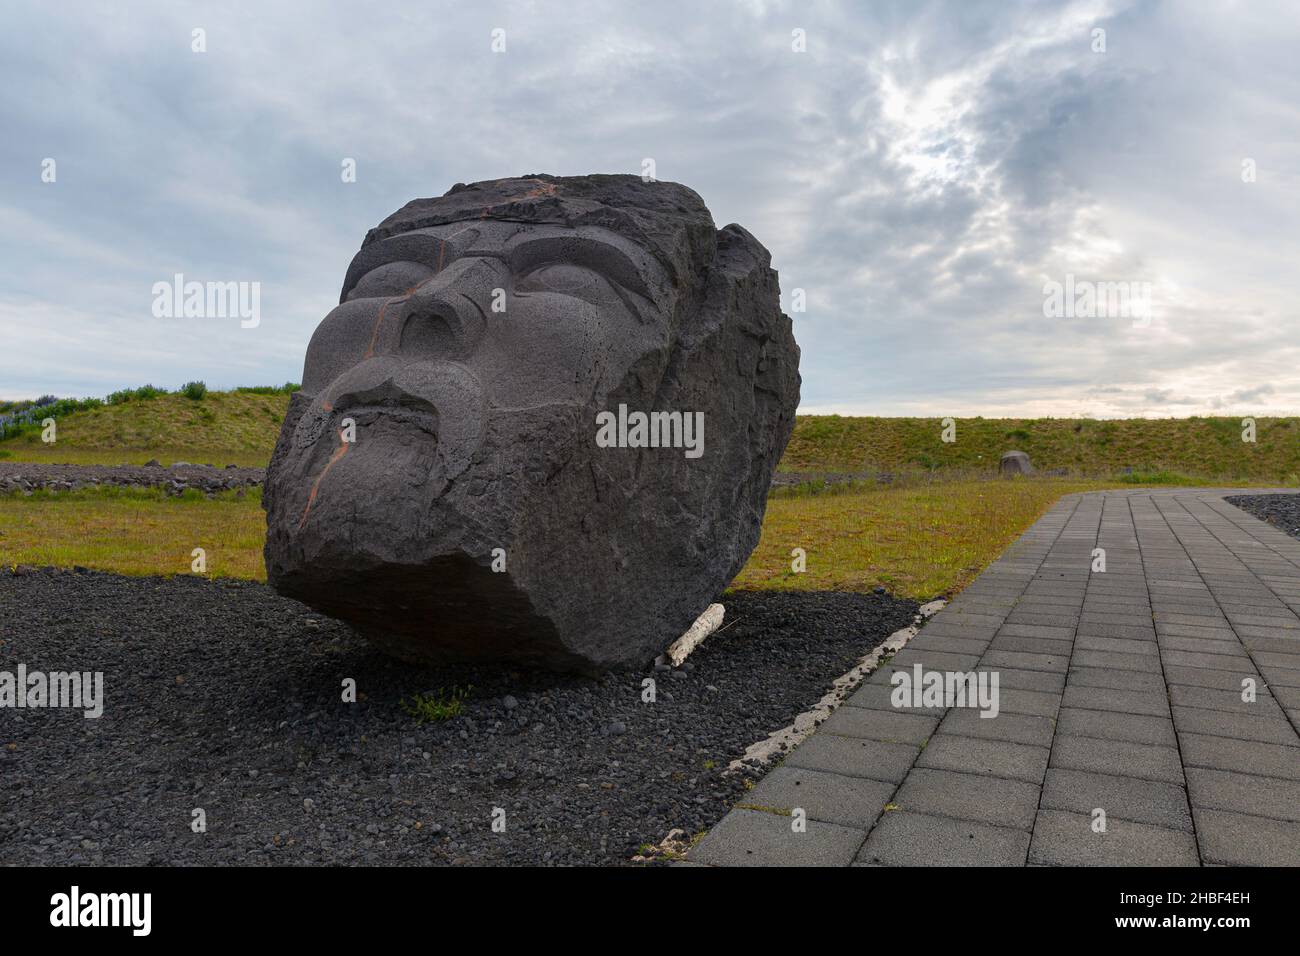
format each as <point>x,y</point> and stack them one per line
<point>1014,463</point>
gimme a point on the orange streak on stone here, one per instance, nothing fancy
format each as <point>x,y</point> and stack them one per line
<point>315,485</point>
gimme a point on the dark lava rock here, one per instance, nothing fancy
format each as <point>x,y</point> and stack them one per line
<point>465,474</point>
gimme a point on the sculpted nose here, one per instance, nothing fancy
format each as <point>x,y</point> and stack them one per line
<point>446,316</point>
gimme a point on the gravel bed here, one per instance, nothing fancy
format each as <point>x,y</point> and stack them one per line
<point>1281,511</point>
<point>223,696</point>
<point>26,476</point>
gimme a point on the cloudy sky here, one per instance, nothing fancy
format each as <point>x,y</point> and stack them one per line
<point>923,171</point>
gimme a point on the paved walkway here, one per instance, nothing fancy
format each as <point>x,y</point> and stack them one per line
<point>1119,692</point>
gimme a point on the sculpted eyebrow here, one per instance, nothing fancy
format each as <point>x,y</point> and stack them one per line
<point>602,257</point>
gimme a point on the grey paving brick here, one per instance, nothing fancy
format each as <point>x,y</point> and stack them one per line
<point>999,758</point>
<point>1112,725</point>
<point>1232,648</point>
<point>1198,620</point>
<point>1211,698</point>
<point>968,796</point>
<point>1030,645</point>
<point>1281,676</point>
<point>1242,756</point>
<point>1288,697</point>
<point>950,645</point>
<point>1200,677</point>
<point>934,660</point>
<point>830,797</point>
<point>1039,618</point>
<point>853,757</point>
<point>1100,617</point>
<point>1134,604</point>
<point>1017,728</point>
<point>1068,839</point>
<point>1133,631</point>
<point>1224,633</point>
<point>1281,644</point>
<point>1013,700</point>
<point>1119,645</point>
<point>1151,702</point>
<point>889,726</point>
<point>1022,660</point>
<point>1049,604</point>
<point>1243,793</point>
<point>1116,680</point>
<point>1222,723</point>
<point>1122,662</point>
<point>1037,630</point>
<point>1121,757</point>
<point>1044,682</point>
<point>914,839</point>
<point>1236,840</point>
<point>1129,798</point>
<point>877,697</point>
<point>1280,622</point>
<point>1272,658</point>
<point>1202,660</point>
<point>754,838</point>
<point>941,628</point>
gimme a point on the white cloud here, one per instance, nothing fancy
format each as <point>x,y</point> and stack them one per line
<point>921,171</point>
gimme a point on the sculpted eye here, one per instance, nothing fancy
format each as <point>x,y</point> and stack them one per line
<point>390,279</point>
<point>559,277</point>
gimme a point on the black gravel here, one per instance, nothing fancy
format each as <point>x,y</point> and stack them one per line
<point>1281,511</point>
<point>226,697</point>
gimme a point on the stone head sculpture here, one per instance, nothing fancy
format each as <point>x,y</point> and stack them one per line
<point>540,425</point>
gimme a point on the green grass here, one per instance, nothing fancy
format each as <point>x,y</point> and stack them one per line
<point>220,428</point>
<point>436,706</point>
<point>929,532</point>
<point>134,531</point>
<point>241,427</point>
<point>1206,448</point>
<point>919,541</point>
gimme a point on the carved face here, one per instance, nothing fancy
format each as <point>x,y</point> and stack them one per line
<point>440,483</point>
<point>443,328</point>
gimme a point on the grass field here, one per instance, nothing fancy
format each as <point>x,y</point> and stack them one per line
<point>222,428</point>
<point>1208,448</point>
<point>930,532</point>
<point>134,531</point>
<point>241,428</point>
<point>917,541</point>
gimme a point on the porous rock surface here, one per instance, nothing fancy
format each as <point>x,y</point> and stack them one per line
<point>438,482</point>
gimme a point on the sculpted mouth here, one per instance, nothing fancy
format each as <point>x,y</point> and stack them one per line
<point>390,413</point>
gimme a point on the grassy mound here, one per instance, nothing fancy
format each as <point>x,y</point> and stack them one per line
<point>1176,447</point>
<point>194,425</point>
